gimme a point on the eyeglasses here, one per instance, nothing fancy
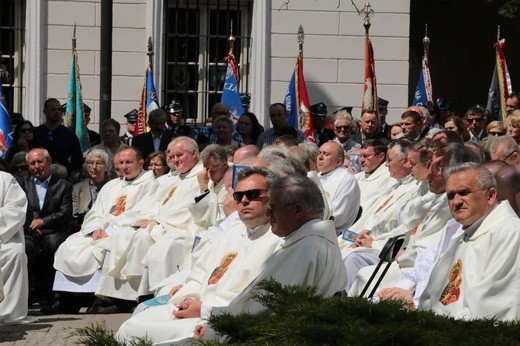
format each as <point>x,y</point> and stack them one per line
<point>95,163</point>
<point>499,133</point>
<point>250,194</point>
<point>21,168</point>
<point>474,120</point>
<point>271,207</point>
<point>511,153</point>
<point>26,130</point>
<point>342,128</point>
<point>366,156</point>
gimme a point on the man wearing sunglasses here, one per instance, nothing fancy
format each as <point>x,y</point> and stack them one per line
<point>230,264</point>
<point>474,119</point>
<point>309,255</point>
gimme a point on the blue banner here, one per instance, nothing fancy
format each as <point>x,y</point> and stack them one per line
<point>421,96</point>
<point>6,129</point>
<point>231,94</point>
<point>290,103</point>
<point>151,96</point>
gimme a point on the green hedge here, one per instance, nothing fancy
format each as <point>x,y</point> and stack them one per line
<point>297,316</point>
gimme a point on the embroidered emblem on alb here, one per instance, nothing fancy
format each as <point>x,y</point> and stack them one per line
<point>451,292</point>
<point>170,194</point>
<point>119,207</point>
<point>219,271</point>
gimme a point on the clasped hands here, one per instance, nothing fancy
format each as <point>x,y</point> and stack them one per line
<point>364,239</point>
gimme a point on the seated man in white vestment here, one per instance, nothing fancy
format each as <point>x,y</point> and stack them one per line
<point>309,255</point>
<point>13,261</point>
<point>207,209</point>
<point>172,228</point>
<point>420,234</point>
<point>376,223</point>
<point>478,276</point>
<point>374,177</point>
<point>119,204</point>
<point>340,186</point>
<point>222,272</point>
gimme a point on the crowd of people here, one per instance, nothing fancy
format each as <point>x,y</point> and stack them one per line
<point>177,224</point>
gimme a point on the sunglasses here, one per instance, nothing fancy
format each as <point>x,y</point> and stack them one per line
<point>26,130</point>
<point>21,168</point>
<point>250,194</point>
<point>342,128</point>
<point>474,120</point>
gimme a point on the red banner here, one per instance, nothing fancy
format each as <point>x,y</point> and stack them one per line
<point>370,85</point>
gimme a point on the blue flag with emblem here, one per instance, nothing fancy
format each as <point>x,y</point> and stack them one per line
<point>6,130</point>
<point>290,102</point>
<point>230,92</point>
<point>423,92</point>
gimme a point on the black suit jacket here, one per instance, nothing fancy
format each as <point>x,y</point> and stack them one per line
<point>57,206</point>
<point>325,136</point>
<point>145,142</point>
<point>357,138</point>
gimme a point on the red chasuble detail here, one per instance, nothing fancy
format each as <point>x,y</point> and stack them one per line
<point>119,207</point>
<point>219,271</point>
<point>452,291</point>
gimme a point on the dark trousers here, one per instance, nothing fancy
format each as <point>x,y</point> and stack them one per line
<point>40,256</point>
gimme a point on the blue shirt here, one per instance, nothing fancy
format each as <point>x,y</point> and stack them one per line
<point>41,189</point>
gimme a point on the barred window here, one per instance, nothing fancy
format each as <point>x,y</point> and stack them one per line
<point>12,33</point>
<point>196,43</point>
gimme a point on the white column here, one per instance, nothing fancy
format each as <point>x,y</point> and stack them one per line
<point>154,28</point>
<point>261,61</point>
<point>34,74</point>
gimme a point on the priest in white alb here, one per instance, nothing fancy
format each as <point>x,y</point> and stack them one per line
<point>339,184</point>
<point>226,268</point>
<point>478,276</point>
<point>13,261</point>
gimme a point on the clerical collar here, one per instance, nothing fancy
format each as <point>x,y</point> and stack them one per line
<point>470,230</point>
<point>255,232</point>
<point>130,181</point>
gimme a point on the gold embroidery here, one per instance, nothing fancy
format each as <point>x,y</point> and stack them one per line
<point>451,292</point>
<point>219,271</point>
<point>170,195</point>
<point>119,207</point>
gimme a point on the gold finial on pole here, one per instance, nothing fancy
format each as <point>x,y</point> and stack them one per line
<point>368,11</point>
<point>301,37</point>
<point>150,49</point>
<point>74,37</point>
<point>231,39</point>
<point>426,42</point>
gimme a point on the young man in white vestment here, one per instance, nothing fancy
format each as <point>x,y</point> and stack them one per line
<point>339,184</point>
<point>478,276</point>
<point>220,274</point>
<point>309,255</point>
<point>13,261</point>
<point>172,228</point>
<point>384,215</point>
<point>119,204</point>
<point>374,177</point>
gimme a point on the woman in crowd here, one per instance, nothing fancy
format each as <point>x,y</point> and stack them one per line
<point>110,141</point>
<point>84,194</point>
<point>394,132</point>
<point>18,167</point>
<point>22,139</point>
<point>513,127</point>
<point>223,128</point>
<point>156,162</point>
<point>249,128</point>
<point>456,124</point>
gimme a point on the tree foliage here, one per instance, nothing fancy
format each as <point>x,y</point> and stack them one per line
<point>298,316</point>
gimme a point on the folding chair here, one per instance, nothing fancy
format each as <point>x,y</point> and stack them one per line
<point>387,254</point>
